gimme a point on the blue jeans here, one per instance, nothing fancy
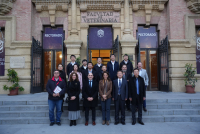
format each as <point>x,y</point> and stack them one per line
<point>144,102</point>
<point>106,109</point>
<point>52,105</point>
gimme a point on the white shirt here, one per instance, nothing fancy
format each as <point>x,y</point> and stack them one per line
<point>84,67</point>
<point>125,61</point>
<point>98,65</point>
<point>113,64</point>
<point>72,63</point>
<point>118,81</point>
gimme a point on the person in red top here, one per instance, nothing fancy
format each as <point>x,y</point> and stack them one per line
<point>55,99</point>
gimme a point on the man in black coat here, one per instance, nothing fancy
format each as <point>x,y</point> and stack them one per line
<point>120,95</point>
<point>90,94</point>
<point>98,66</point>
<point>70,66</point>
<point>126,77</point>
<point>84,66</point>
<point>90,70</point>
<point>63,76</point>
<point>137,94</point>
<point>112,67</point>
<point>55,99</point>
<point>128,63</point>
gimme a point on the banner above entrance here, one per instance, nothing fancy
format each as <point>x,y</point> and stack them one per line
<point>53,38</point>
<point>100,38</point>
<point>100,17</point>
<point>148,37</point>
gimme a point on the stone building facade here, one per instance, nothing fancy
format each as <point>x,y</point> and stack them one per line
<point>177,19</point>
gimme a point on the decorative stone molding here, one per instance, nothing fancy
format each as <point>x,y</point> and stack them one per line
<point>6,6</point>
<point>51,7</point>
<point>193,5</point>
<point>148,6</point>
<point>100,5</point>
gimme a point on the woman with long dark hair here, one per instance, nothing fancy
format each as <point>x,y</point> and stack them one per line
<point>73,91</point>
<point>105,89</point>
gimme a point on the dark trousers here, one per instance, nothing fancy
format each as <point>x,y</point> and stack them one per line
<point>87,113</point>
<point>119,105</point>
<point>144,102</point>
<point>128,104</point>
<point>134,106</point>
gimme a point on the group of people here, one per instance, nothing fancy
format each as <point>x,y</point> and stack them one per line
<point>118,82</point>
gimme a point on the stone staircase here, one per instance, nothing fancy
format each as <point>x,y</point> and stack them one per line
<point>159,110</point>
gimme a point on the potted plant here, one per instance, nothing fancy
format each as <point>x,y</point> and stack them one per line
<point>189,78</point>
<point>78,60</point>
<point>14,79</point>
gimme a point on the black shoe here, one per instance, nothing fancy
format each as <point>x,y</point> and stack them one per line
<point>123,123</point>
<point>58,123</point>
<point>140,122</point>
<point>74,122</point>
<point>134,122</point>
<point>51,124</point>
<point>116,123</point>
<point>144,108</point>
<point>71,123</point>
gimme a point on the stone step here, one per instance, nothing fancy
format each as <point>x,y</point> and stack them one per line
<point>64,120</point>
<point>149,101</point>
<point>150,112</point>
<point>149,106</point>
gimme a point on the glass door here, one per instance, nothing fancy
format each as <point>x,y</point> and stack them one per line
<point>149,59</point>
<point>104,54</point>
<point>51,60</point>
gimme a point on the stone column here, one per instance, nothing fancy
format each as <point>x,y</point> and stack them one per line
<point>128,42</point>
<point>74,21</point>
<point>73,42</point>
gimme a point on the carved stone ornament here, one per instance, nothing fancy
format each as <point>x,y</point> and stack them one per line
<point>193,5</point>
<point>100,5</point>
<point>51,6</point>
<point>148,6</point>
<point>6,6</point>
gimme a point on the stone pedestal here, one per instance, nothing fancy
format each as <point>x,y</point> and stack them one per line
<point>73,45</point>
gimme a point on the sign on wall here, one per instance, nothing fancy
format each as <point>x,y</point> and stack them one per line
<point>2,53</point>
<point>100,37</point>
<point>100,17</point>
<point>17,62</point>
<point>148,37</point>
<point>53,38</point>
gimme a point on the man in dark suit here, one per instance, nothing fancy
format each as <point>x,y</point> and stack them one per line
<point>103,69</point>
<point>126,77</point>
<point>90,93</point>
<point>137,94</point>
<point>128,64</point>
<point>98,66</point>
<point>70,66</point>
<point>112,67</point>
<point>90,70</point>
<point>84,66</point>
<point>120,95</point>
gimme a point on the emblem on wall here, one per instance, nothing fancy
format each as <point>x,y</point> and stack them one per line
<point>198,44</point>
<point>1,46</point>
<point>100,33</point>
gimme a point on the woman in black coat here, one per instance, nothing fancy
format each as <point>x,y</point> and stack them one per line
<point>63,76</point>
<point>73,91</point>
